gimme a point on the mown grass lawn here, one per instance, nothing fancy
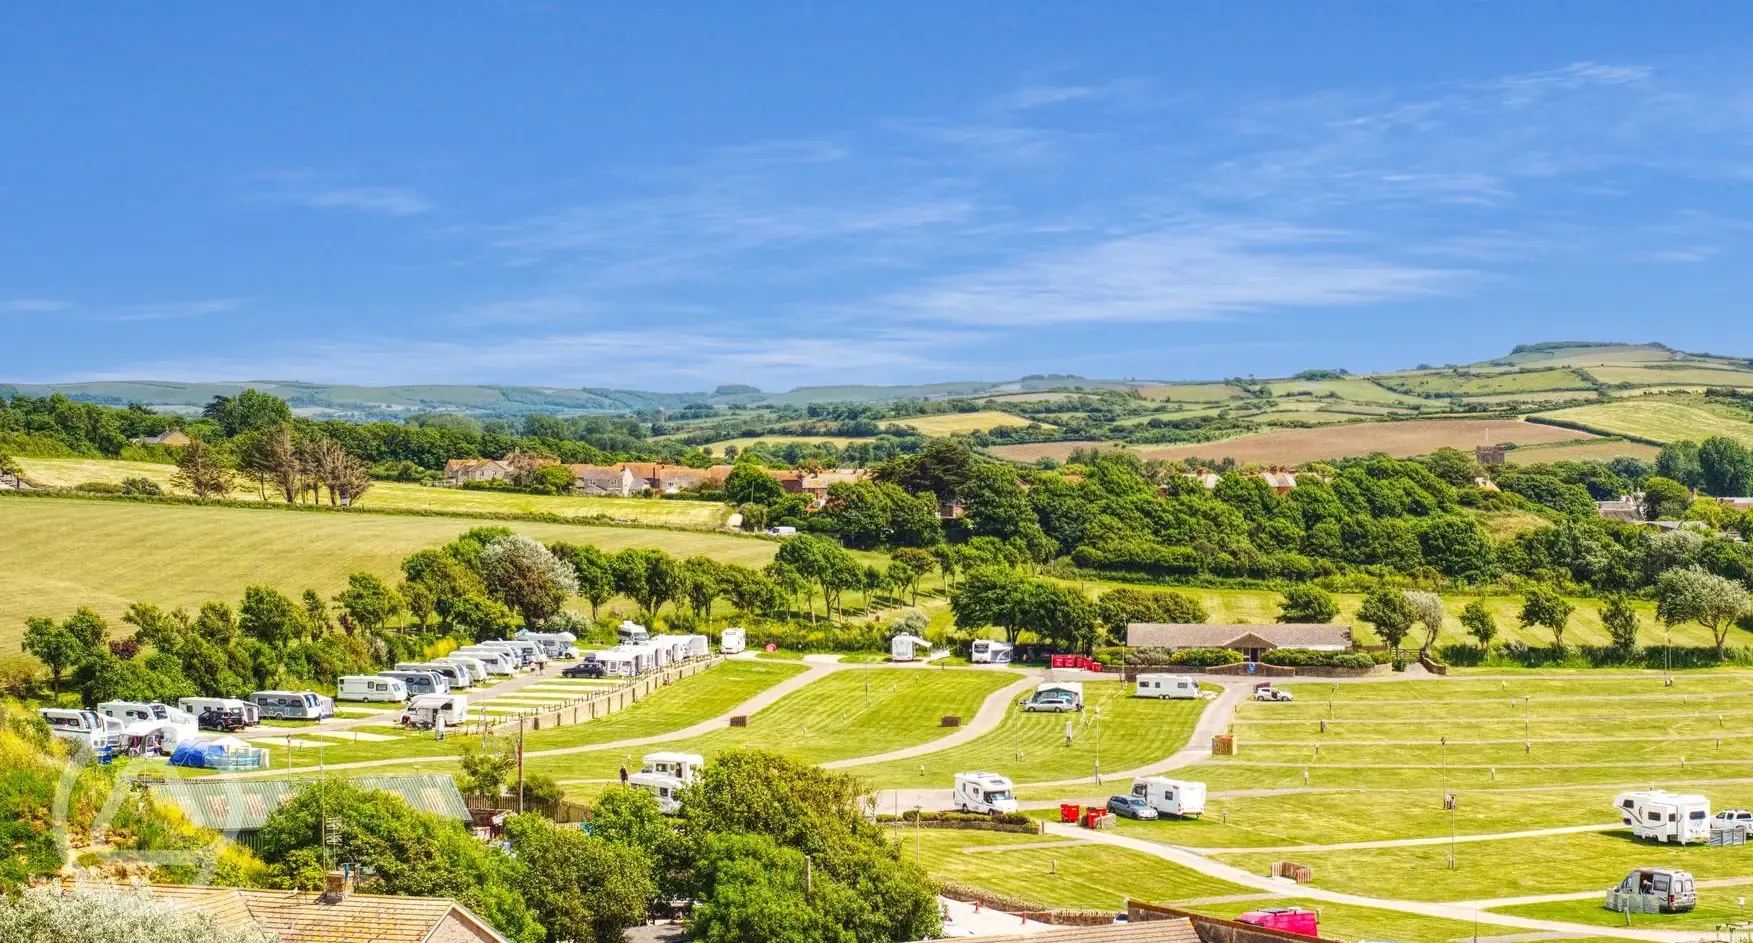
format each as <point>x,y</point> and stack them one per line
<point>1345,922</point>
<point>1716,906</point>
<point>1133,732</point>
<point>827,720</point>
<point>1086,876</point>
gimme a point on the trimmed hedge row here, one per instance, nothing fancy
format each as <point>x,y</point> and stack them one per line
<point>1523,655</point>
<point>1217,657</point>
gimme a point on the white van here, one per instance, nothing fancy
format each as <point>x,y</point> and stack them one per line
<point>1665,816</point>
<point>455,676</point>
<point>428,710</point>
<point>200,705</point>
<point>1173,687</point>
<point>987,651</point>
<point>476,668</point>
<point>665,775</point>
<point>631,632</point>
<point>82,728</point>
<point>733,640</point>
<point>984,794</point>
<point>176,725</point>
<point>371,688</point>
<point>1171,796</point>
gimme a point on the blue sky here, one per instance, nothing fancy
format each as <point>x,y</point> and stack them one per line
<point>669,197</point>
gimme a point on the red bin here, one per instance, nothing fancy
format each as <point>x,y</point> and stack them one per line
<point>1069,812</point>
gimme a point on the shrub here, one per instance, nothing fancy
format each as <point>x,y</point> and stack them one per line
<point>142,486</point>
<point>1204,657</point>
<point>1308,657</point>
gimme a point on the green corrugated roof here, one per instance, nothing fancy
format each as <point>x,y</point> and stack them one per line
<point>243,805</point>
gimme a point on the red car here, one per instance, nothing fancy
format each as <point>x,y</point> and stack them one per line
<point>1289,919</point>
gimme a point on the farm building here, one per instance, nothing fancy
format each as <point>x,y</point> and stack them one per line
<point>240,807</point>
<point>1251,641</point>
<point>172,438</point>
<point>611,480</point>
<point>459,470</point>
<point>1621,509</point>
<point>1281,481</point>
<point>335,915</point>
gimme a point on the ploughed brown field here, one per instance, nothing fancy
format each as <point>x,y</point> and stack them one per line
<point>1295,446</point>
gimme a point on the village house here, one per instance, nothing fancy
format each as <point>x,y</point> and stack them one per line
<point>1279,480</point>
<point>334,915</point>
<point>606,481</point>
<point>460,470</point>
<point>1250,641</point>
<point>170,438</point>
<point>1626,508</point>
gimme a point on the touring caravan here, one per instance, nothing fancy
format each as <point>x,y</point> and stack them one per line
<point>81,727</point>
<point>906,647</point>
<point>1172,687</point>
<point>287,705</point>
<point>665,775</point>
<point>1665,816</point>
<point>631,633</point>
<point>1171,796</point>
<point>420,682</point>
<point>429,710</point>
<point>984,794</point>
<point>554,644</point>
<point>246,713</point>
<point>619,661</point>
<point>989,652</point>
<point>175,725</point>
<point>476,668</point>
<point>733,640</point>
<point>496,660</point>
<point>455,676</point>
<point>523,654</point>
<point>372,688</point>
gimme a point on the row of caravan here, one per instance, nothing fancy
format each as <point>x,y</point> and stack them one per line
<point>460,669</point>
<point>631,659</point>
<point>994,794</point>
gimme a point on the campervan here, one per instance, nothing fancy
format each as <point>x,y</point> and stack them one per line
<point>1665,816</point>
<point>1056,696</point>
<point>1295,920</point>
<point>1171,796</point>
<point>1654,891</point>
<point>287,705</point>
<point>420,682</point>
<point>554,644</point>
<point>427,711</point>
<point>906,647</point>
<point>1173,687</point>
<point>497,660</point>
<point>665,775</point>
<point>456,676</point>
<point>733,640</point>
<point>476,668</point>
<point>631,632</point>
<point>81,727</point>
<point>984,794</point>
<point>245,713</point>
<point>176,725</point>
<point>371,688</point>
<point>987,651</point>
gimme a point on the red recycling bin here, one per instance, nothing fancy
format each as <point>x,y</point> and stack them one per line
<point>1091,816</point>
<point>1096,667</point>
<point>1069,812</point>
<point>1057,661</point>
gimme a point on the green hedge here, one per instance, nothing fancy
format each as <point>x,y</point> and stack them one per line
<point>1523,655</point>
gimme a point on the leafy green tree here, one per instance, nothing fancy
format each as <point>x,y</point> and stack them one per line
<point>1454,466</point>
<point>1621,622</point>
<point>703,583</point>
<point>1428,612</point>
<point>483,618</point>
<point>991,595</point>
<point>1390,614</point>
<point>521,573</point>
<point>1725,467</point>
<point>202,472</point>
<point>1680,462</point>
<point>580,886</point>
<point>59,649</point>
<point>1479,623</point>
<point>1694,594</point>
<point>751,591</point>
<point>544,479</point>
<point>748,483</point>
<point>248,411</point>
<point>1665,499</point>
<point>1543,606</point>
<point>648,577</point>
<point>369,602</point>
<point>1305,602</point>
<point>52,915</point>
<point>486,770</point>
<point>592,568</point>
<point>268,616</point>
<point>1119,608</point>
<point>915,564</point>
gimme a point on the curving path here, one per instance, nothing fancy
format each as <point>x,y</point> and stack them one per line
<point>991,713</point>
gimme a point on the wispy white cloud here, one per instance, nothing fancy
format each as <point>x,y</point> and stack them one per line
<point>308,190</point>
<point>1687,254</point>
<point>168,311</point>
<point>34,305</point>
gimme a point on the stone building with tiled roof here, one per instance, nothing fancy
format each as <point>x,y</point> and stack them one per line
<point>336,915</point>
<point>1250,640</point>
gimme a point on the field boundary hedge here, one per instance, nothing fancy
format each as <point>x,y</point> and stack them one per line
<point>1592,430</point>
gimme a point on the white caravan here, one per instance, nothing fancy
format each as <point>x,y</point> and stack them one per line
<point>83,728</point>
<point>454,675</point>
<point>424,681</point>
<point>618,662</point>
<point>554,644</point>
<point>176,725</point>
<point>428,710</point>
<point>984,794</point>
<point>1665,816</point>
<point>1171,796</point>
<point>288,705</point>
<point>525,654</point>
<point>631,632</point>
<point>1173,687</point>
<point>906,647</point>
<point>371,688</point>
<point>665,775</point>
<point>195,706</point>
<point>476,668</point>
<point>987,651</point>
<point>733,640</point>
<point>497,660</point>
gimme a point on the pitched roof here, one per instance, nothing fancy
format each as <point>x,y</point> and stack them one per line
<point>1200,635</point>
<point>1179,930</point>
<point>307,917</point>
<point>243,805</point>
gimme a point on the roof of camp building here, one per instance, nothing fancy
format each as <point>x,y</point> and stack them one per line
<point>243,805</point>
<point>1201,635</point>
<point>1147,931</point>
<point>307,917</point>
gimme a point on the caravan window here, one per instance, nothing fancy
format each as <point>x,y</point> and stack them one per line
<point>1696,816</point>
<point>1140,790</point>
<point>1661,884</point>
<point>1653,815</point>
<point>1629,803</point>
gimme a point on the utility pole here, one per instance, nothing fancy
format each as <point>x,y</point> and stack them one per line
<point>520,764</point>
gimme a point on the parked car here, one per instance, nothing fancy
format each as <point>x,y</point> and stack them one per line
<point>1654,890</point>
<point>1052,702</point>
<point>1286,919</point>
<point>1728,817</point>
<point>215,718</point>
<point>584,669</point>
<point>1273,694</point>
<point>1132,807</point>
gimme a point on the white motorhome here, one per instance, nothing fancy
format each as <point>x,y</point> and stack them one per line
<point>200,705</point>
<point>554,644</point>
<point>733,640</point>
<point>176,725</point>
<point>1171,796</point>
<point>665,775</point>
<point>1172,687</point>
<point>906,647</point>
<point>984,794</point>
<point>476,668</point>
<point>427,710</point>
<point>81,727</point>
<point>987,651</point>
<point>371,688</point>
<point>631,632</point>
<point>498,661</point>
<point>454,675</point>
<point>1665,816</point>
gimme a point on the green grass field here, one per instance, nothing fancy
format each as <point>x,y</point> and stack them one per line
<point>1053,875</point>
<point>1351,389</point>
<point>1190,392</point>
<point>778,441</point>
<point>65,553</point>
<point>833,718</point>
<point>1661,420</point>
<point>68,472</point>
<point>1717,906</point>
<point>1481,384</point>
<point>1598,450</point>
<point>1673,375</point>
<point>957,423</point>
<point>1132,732</point>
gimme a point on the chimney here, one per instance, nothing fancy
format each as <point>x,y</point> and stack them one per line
<point>335,887</point>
